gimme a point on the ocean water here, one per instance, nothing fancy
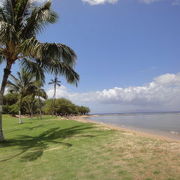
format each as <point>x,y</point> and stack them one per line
<point>166,124</point>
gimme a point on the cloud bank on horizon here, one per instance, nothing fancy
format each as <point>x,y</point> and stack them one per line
<point>162,94</point>
<point>149,1</point>
<point>100,2</point>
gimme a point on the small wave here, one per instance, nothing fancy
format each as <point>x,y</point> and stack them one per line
<point>174,132</point>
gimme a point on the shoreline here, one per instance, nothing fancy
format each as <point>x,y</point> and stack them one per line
<point>131,131</point>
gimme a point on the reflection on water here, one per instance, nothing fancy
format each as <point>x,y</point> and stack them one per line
<point>158,123</point>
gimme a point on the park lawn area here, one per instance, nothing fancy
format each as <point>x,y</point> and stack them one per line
<point>53,149</point>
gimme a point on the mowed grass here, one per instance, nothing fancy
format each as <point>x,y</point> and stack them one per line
<point>53,149</point>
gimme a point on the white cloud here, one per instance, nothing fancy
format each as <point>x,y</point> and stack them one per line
<point>163,93</point>
<point>149,1</point>
<point>40,1</point>
<point>97,2</point>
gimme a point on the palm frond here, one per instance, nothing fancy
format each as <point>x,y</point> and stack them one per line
<point>3,15</point>
<point>7,33</point>
<point>40,16</point>
<point>30,48</point>
<point>12,87</point>
<point>53,58</point>
<point>13,84</point>
<point>8,10</point>
<point>51,82</point>
<point>59,52</point>
<point>41,93</point>
<point>61,68</point>
<point>15,79</point>
<point>58,84</point>
<point>33,68</point>
<point>22,10</point>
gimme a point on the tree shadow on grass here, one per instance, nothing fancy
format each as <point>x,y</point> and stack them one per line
<point>31,148</point>
<point>24,128</point>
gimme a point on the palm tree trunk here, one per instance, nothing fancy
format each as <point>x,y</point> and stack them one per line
<point>1,131</point>
<point>40,107</point>
<point>54,98</point>
<point>32,114</point>
<point>20,120</point>
<point>29,109</point>
<point>53,101</point>
<point>20,104</point>
<point>40,113</point>
<point>7,72</point>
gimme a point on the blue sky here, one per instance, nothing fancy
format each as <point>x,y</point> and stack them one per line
<point>123,44</point>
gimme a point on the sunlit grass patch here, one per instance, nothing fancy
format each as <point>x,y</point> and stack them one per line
<point>65,149</point>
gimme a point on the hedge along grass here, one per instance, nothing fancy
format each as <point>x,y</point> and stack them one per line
<point>51,149</point>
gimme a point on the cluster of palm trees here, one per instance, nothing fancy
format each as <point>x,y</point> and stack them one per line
<point>29,91</point>
<point>20,22</point>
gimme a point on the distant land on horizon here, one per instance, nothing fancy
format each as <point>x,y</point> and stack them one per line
<point>150,112</point>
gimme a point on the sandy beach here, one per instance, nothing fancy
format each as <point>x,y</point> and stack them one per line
<point>128,131</point>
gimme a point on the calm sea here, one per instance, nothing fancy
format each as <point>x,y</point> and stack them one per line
<point>166,124</point>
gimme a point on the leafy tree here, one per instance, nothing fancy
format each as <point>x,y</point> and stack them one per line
<point>10,105</point>
<point>10,98</point>
<point>64,107</point>
<point>20,22</point>
<point>83,110</point>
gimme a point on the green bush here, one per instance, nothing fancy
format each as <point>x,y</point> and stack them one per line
<point>63,107</point>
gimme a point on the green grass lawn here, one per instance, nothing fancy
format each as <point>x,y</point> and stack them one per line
<point>52,149</point>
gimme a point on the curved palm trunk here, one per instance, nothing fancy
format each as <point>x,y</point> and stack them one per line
<point>7,72</point>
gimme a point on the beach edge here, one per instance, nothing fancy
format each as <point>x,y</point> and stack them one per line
<point>84,119</point>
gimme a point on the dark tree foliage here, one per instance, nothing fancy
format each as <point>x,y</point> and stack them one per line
<point>10,104</point>
<point>64,107</point>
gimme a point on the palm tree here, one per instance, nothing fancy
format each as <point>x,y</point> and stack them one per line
<point>20,22</point>
<point>41,94</point>
<point>56,83</point>
<point>23,84</point>
<point>33,99</point>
